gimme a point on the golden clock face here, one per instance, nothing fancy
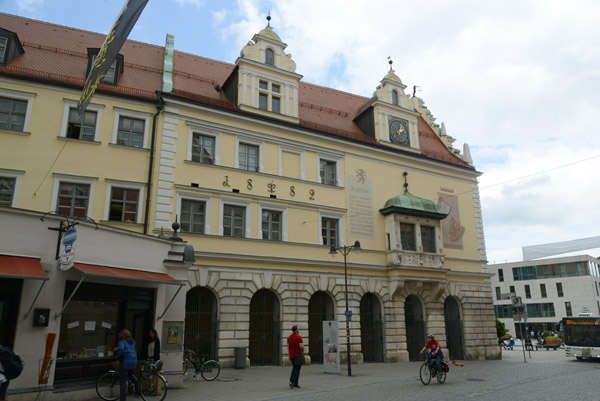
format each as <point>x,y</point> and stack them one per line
<point>399,132</point>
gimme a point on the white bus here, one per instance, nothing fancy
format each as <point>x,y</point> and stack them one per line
<point>581,336</point>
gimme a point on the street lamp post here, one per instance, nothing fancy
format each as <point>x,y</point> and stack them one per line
<point>345,250</point>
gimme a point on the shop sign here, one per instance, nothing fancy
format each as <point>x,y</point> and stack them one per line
<point>69,237</point>
<point>67,257</point>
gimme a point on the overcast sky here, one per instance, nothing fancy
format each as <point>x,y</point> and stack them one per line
<point>519,81</point>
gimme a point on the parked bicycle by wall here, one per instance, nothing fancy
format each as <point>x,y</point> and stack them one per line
<point>152,384</point>
<point>208,369</point>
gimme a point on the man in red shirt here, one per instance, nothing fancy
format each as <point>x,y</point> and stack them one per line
<point>295,346</point>
<point>436,352</point>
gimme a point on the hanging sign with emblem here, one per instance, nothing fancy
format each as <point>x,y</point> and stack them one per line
<point>67,256</point>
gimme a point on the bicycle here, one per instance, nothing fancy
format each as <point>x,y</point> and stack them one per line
<point>209,370</point>
<point>429,369</point>
<point>151,387</point>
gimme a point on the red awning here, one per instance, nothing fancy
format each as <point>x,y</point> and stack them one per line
<point>131,274</point>
<point>21,267</point>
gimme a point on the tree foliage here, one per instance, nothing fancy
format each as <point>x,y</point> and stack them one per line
<point>500,329</point>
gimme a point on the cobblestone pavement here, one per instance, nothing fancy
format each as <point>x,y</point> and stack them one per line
<point>547,375</point>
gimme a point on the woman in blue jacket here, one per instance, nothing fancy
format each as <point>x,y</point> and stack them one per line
<point>128,359</point>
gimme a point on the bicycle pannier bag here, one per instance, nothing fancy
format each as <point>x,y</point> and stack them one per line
<point>445,367</point>
<point>11,363</point>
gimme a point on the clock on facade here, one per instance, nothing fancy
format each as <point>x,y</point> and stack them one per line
<point>399,132</point>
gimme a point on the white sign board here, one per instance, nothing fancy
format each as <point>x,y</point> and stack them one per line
<point>331,346</point>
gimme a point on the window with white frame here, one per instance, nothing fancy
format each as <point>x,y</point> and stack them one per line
<point>15,110</point>
<point>395,97</point>
<point>327,171</point>
<point>3,46</point>
<point>193,216</point>
<point>203,148</point>
<point>124,201</point>
<point>8,186</point>
<point>248,157</point>
<point>73,196</point>
<point>73,199</point>
<point>330,231</point>
<point>88,129</point>
<point>131,128</point>
<point>234,221</point>
<point>269,96</point>
<point>271,224</point>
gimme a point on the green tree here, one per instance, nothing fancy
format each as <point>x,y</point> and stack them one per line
<point>500,329</point>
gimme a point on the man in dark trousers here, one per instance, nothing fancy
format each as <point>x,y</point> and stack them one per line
<point>295,346</point>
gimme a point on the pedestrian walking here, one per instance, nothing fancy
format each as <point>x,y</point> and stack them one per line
<point>295,347</point>
<point>128,361</point>
<point>154,356</point>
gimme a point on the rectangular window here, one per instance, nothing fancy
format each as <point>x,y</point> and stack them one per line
<point>271,225</point>
<point>500,275</point>
<point>543,290</point>
<point>503,311</point>
<point>203,149</point>
<point>275,88</point>
<point>559,289</point>
<point>3,45</point>
<point>123,204</point>
<point>328,172</point>
<point>512,288</point>
<point>248,157</point>
<point>527,291</point>
<point>75,130</point>
<point>7,190</point>
<point>234,221</point>
<point>110,74</point>
<point>428,239</point>
<point>541,310</point>
<point>329,231</point>
<point>192,216</point>
<point>407,237</point>
<point>597,289</point>
<point>263,85</point>
<point>515,273</point>
<point>12,114</point>
<point>73,199</point>
<point>131,132</point>
<point>263,101</point>
<point>275,104</point>
<point>569,309</point>
<point>498,294</point>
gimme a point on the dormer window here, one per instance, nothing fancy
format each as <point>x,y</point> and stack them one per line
<point>270,57</point>
<point>113,73</point>
<point>395,97</point>
<point>10,46</point>
<point>269,97</point>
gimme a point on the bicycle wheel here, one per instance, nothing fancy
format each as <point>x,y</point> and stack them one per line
<point>210,370</point>
<point>107,386</point>
<point>154,388</point>
<point>441,378</point>
<point>425,374</point>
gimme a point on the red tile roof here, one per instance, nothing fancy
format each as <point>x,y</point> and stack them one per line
<point>58,54</point>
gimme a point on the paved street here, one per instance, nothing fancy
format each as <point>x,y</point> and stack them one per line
<point>548,375</point>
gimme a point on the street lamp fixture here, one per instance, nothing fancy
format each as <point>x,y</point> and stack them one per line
<point>345,250</point>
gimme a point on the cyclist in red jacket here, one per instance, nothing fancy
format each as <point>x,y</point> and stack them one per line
<point>436,352</point>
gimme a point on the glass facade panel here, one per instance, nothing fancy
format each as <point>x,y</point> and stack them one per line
<point>192,216</point>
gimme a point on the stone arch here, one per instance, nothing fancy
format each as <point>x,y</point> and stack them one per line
<point>264,334</point>
<point>454,330</point>
<point>201,321</point>
<point>321,307</point>
<point>414,315</point>
<point>371,327</point>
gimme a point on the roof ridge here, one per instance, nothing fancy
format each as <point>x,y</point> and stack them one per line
<point>77,29</point>
<point>205,58</point>
<point>335,90</point>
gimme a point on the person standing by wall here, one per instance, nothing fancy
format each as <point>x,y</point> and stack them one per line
<point>154,356</point>
<point>295,346</point>
<point>128,358</point>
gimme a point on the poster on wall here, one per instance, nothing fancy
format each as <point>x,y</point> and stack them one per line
<point>331,349</point>
<point>172,335</point>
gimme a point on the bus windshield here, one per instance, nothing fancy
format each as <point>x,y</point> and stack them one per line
<point>581,331</point>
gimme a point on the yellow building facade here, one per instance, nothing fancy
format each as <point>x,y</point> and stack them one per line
<point>264,174</point>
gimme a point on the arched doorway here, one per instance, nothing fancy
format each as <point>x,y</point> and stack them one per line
<point>320,308</point>
<point>264,333</point>
<point>371,328</point>
<point>201,322</point>
<point>415,327</point>
<point>454,338</point>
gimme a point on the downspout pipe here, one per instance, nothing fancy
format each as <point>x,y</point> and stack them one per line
<point>159,107</point>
